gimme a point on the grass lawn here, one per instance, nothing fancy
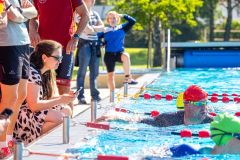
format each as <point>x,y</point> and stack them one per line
<point>138,60</point>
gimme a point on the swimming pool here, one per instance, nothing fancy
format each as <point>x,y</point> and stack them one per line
<point>137,140</point>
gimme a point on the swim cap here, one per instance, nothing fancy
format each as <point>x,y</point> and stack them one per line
<point>194,93</point>
<point>222,127</point>
<point>179,101</point>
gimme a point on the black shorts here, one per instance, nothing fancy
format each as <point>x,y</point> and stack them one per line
<point>110,59</point>
<point>14,63</point>
<point>65,69</point>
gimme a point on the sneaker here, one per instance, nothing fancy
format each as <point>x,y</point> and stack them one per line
<point>132,81</point>
<point>11,146</point>
<point>82,101</point>
<point>5,152</point>
<point>98,99</point>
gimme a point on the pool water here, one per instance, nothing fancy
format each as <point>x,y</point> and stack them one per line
<point>137,140</point>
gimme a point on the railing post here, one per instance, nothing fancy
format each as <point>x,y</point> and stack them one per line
<point>93,110</point>
<point>125,91</point>
<point>112,94</point>
<point>66,129</point>
<point>18,150</point>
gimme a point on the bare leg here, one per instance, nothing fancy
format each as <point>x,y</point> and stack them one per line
<point>126,63</point>
<point>111,81</point>
<point>53,119</point>
<point>9,98</point>
<point>22,93</point>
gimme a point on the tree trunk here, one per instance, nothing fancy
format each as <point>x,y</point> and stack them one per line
<point>157,59</point>
<point>149,60</point>
<point>211,21</point>
<point>229,21</point>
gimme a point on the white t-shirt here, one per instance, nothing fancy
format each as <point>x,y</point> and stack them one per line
<point>15,33</point>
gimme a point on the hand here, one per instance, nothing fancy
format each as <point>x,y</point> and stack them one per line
<point>121,15</point>
<point>26,4</point>
<point>72,45</point>
<point>34,37</point>
<point>67,98</point>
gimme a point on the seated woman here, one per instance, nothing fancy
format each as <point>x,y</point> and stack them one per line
<point>225,132</point>
<point>195,111</point>
<point>42,110</point>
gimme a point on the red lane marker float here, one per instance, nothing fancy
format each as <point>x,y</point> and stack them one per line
<point>147,96</point>
<point>237,114</point>
<point>154,113</point>
<point>203,134</point>
<point>188,133</point>
<point>212,114</point>
<point>169,97</point>
<point>225,99</point>
<point>158,96</point>
<point>214,99</point>
<point>98,125</point>
<point>111,157</point>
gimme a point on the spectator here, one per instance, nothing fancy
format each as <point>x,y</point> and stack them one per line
<point>42,110</point>
<point>88,53</point>
<point>14,63</point>
<point>53,13</point>
<point>114,40</point>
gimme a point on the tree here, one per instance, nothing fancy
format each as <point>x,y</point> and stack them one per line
<point>169,12</point>
<point>229,5</point>
<point>208,11</point>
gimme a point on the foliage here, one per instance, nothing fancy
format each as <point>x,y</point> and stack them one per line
<point>171,12</point>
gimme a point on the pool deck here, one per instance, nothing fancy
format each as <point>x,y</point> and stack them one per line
<point>52,142</point>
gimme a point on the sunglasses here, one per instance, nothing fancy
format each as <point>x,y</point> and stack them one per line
<point>198,104</point>
<point>57,58</point>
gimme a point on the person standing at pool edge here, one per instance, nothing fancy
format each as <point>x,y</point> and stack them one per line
<point>56,23</point>
<point>88,54</point>
<point>114,46</point>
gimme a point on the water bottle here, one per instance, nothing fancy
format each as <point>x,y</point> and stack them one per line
<point>2,6</point>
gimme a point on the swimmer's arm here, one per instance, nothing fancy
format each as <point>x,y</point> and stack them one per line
<point>205,150</point>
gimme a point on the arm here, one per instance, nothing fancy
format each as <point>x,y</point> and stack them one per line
<point>128,25</point>
<point>83,13</point>
<point>28,10</point>
<point>37,105</point>
<point>100,26</point>
<point>33,32</point>
<point>13,14</point>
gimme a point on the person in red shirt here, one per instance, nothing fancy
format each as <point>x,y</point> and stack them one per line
<point>55,22</point>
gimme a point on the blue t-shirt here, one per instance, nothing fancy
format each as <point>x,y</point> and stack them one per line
<point>114,37</point>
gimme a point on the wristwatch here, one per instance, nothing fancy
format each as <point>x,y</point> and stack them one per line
<point>76,36</point>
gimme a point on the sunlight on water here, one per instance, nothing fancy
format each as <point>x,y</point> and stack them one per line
<point>133,139</point>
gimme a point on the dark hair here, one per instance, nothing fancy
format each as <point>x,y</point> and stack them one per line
<point>46,47</point>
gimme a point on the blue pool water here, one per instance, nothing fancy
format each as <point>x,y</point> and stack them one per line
<point>141,140</point>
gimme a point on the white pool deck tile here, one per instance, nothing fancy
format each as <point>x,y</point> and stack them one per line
<point>52,142</point>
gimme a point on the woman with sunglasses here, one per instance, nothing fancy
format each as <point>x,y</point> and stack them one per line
<point>42,109</point>
<point>195,111</point>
